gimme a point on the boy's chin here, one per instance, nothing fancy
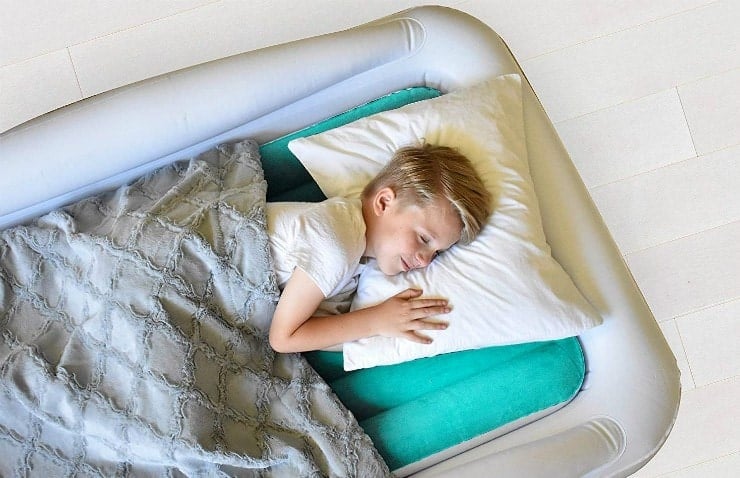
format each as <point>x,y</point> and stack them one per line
<point>389,270</point>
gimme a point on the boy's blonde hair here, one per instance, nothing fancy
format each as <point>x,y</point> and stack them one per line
<point>420,174</point>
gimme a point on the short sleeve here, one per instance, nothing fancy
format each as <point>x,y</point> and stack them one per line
<point>330,241</point>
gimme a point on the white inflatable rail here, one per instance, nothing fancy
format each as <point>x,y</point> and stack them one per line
<point>630,397</point>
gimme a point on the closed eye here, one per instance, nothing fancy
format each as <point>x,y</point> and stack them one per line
<point>438,253</point>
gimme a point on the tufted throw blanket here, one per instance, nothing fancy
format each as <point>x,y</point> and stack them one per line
<point>134,339</point>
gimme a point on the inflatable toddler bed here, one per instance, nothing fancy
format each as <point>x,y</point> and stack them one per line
<point>134,320</point>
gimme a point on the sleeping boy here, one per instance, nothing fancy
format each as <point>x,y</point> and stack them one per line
<point>425,200</point>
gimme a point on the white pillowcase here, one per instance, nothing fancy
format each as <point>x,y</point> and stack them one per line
<point>505,287</point>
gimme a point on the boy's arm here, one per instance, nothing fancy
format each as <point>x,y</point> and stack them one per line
<point>295,329</point>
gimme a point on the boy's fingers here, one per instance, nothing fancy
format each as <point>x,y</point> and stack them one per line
<point>430,325</point>
<point>425,312</point>
<point>409,293</point>
<point>440,307</point>
<point>420,303</point>
<point>418,338</point>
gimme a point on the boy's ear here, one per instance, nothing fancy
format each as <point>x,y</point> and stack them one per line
<point>382,199</point>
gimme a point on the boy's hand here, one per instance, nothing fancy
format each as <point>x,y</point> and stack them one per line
<point>405,314</point>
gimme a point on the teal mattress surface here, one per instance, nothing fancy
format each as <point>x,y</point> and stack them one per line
<point>416,409</point>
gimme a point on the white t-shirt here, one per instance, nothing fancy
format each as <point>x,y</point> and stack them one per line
<point>326,240</point>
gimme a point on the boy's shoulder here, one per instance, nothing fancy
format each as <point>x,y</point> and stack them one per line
<point>334,205</point>
<point>339,213</point>
<point>340,205</point>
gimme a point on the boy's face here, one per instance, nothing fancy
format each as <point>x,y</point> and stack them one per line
<point>404,237</point>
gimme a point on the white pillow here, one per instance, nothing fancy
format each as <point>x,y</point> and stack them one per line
<point>505,287</point>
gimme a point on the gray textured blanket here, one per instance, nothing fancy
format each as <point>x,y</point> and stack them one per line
<point>134,339</point>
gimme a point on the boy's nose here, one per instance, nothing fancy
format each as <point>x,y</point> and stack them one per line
<point>423,259</point>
